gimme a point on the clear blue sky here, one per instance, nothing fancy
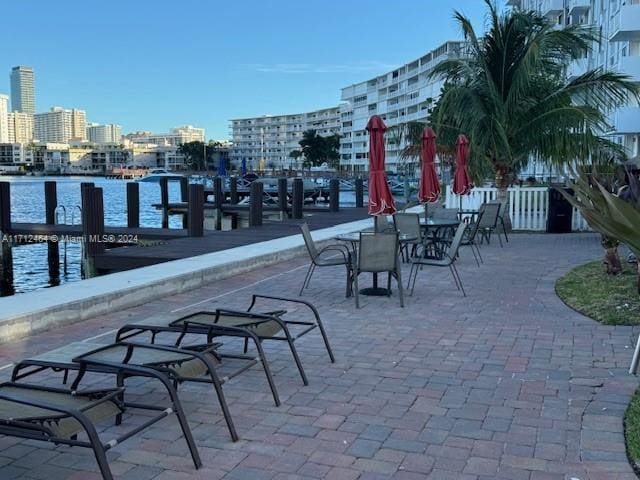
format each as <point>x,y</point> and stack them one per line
<point>155,64</point>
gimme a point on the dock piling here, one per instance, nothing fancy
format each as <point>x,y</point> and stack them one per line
<point>164,200</point>
<point>334,195</point>
<point>297,198</point>
<point>133,205</point>
<point>219,193</point>
<point>50,202</point>
<point>5,207</point>
<point>359,192</point>
<point>255,204</point>
<point>196,211</point>
<point>282,197</point>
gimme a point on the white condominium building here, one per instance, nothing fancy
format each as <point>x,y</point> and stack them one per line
<point>618,22</point>
<point>20,127</point>
<point>109,133</point>
<point>176,136</point>
<point>23,97</point>
<point>4,118</point>
<point>60,125</point>
<point>400,96</point>
<point>267,141</point>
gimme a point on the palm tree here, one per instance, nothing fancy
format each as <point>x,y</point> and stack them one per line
<point>510,96</point>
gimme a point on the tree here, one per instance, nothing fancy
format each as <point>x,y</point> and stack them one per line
<point>194,154</point>
<point>509,95</point>
<point>318,149</point>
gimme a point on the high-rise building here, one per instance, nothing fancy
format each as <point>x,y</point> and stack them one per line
<point>4,119</point>
<point>23,97</point>
<point>271,138</point>
<point>176,136</point>
<point>60,125</point>
<point>109,133</point>
<point>619,49</point>
<point>20,127</point>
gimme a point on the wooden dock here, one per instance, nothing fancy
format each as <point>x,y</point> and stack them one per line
<point>125,258</point>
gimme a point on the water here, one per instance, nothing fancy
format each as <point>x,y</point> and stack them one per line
<point>31,269</point>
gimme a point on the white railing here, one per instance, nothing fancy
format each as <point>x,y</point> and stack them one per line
<point>528,206</point>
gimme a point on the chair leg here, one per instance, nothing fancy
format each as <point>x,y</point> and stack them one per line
<point>306,279</point>
<point>296,358</point>
<point>499,237</point>
<point>477,251</point>
<point>504,230</point>
<point>415,277</point>
<point>356,290</point>
<point>464,294</point>
<point>348,293</point>
<point>389,284</point>
<point>475,257</point>
<point>267,370</point>
<point>217,386</point>
<point>400,292</point>
<point>98,451</point>
<point>455,279</point>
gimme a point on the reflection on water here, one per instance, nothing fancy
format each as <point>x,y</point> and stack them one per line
<point>34,265</point>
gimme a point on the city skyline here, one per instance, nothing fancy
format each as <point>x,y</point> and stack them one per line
<point>269,62</point>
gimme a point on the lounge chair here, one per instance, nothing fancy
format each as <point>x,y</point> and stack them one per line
<point>246,324</point>
<point>58,416</point>
<point>448,260</point>
<point>170,365</point>
<point>339,255</point>
<point>378,253</point>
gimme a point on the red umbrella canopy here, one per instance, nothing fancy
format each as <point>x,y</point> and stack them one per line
<point>429,185</point>
<point>380,198</point>
<point>462,184</point>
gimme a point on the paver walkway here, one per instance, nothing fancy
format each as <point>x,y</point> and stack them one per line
<point>507,383</point>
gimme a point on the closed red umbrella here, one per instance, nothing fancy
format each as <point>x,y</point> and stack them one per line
<point>462,183</point>
<point>380,198</point>
<point>429,191</point>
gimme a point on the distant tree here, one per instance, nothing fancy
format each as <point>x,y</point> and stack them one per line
<point>194,154</point>
<point>331,150</point>
<point>318,149</point>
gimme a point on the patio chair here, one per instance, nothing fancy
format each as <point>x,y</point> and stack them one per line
<point>448,260</point>
<point>408,224</point>
<point>489,222</point>
<point>200,363</point>
<point>378,253</point>
<point>341,256</point>
<point>469,238</point>
<point>58,416</point>
<point>245,324</point>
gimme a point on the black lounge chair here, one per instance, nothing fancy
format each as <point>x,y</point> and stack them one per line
<point>58,416</point>
<point>170,365</point>
<point>247,324</point>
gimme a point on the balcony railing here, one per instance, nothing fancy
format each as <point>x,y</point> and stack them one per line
<point>626,24</point>
<point>627,120</point>
<point>579,6</point>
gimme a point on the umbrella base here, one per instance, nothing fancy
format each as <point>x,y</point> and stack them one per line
<point>375,292</point>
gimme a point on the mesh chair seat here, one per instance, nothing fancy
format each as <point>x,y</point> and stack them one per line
<point>60,425</point>
<point>260,327</point>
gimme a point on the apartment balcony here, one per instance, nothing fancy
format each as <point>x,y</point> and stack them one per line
<point>626,24</point>
<point>578,7</point>
<point>577,68</point>
<point>630,66</point>
<point>551,7</point>
<point>627,120</point>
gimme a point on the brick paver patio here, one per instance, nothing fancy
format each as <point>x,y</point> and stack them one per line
<point>507,383</point>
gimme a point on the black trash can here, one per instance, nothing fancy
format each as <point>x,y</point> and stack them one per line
<point>560,211</point>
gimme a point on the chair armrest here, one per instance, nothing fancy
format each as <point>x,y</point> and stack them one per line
<point>307,304</point>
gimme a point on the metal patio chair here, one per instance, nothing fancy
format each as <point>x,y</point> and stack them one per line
<point>448,260</point>
<point>489,222</point>
<point>408,224</point>
<point>378,253</point>
<point>469,239</point>
<point>319,258</point>
<point>59,416</point>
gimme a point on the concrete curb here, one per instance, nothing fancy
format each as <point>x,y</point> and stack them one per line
<point>32,312</point>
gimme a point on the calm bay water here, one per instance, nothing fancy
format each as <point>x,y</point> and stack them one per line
<point>30,262</point>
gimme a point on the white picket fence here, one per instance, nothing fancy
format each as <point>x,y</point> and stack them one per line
<point>528,206</point>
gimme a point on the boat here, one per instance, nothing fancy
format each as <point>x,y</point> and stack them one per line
<point>155,174</point>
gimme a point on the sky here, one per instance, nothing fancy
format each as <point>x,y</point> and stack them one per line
<point>156,64</point>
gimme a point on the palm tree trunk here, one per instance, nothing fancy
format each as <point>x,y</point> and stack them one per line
<point>502,184</point>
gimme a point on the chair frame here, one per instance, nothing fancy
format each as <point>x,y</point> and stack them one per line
<point>448,260</point>
<point>404,246</point>
<point>396,272</point>
<point>469,239</point>
<point>317,261</point>
<point>488,230</point>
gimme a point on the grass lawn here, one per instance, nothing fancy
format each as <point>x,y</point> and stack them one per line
<point>610,300</point>
<point>632,431</point>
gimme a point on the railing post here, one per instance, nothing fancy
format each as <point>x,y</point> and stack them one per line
<point>196,210</point>
<point>85,202</point>
<point>133,205</point>
<point>334,195</point>
<point>297,195</point>
<point>255,204</point>
<point>50,202</point>
<point>219,193</point>
<point>359,192</point>
<point>282,197</point>
<point>184,198</point>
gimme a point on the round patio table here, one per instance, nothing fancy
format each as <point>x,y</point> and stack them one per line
<point>354,239</point>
